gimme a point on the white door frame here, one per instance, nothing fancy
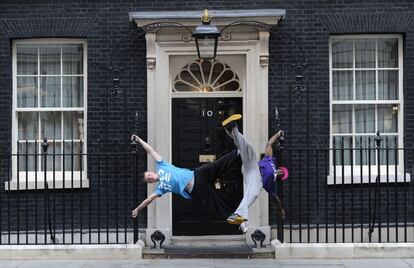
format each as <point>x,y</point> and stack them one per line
<point>255,115</point>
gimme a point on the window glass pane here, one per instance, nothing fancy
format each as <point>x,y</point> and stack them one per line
<point>341,118</point>
<point>365,150</point>
<point>342,54</point>
<point>387,53</point>
<point>26,92</point>
<point>342,146</point>
<point>28,125</point>
<point>73,157</point>
<point>365,53</point>
<point>365,85</point>
<point>53,161</point>
<point>27,159</point>
<point>365,118</point>
<point>73,125</point>
<point>50,125</point>
<point>72,91</point>
<point>388,85</point>
<point>49,59</point>
<point>50,91</point>
<point>388,118</point>
<point>342,84</point>
<point>72,55</point>
<point>26,59</point>
<point>389,154</point>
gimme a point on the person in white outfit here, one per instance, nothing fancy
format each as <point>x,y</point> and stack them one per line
<point>253,177</point>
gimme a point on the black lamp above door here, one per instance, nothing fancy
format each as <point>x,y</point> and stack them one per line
<point>206,37</point>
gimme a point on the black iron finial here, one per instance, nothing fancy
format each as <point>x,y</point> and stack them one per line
<point>45,145</point>
<point>136,121</point>
<point>134,141</point>
<point>279,127</point>
<point>378,139</point>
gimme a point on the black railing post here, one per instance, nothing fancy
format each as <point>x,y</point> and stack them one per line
<point>135,176</point>
<point>279,183</point>
<point>376,189</point>
<point>45,145</point>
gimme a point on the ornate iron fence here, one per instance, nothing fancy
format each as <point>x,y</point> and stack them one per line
<point>60,195</point>
<point>349,193</point>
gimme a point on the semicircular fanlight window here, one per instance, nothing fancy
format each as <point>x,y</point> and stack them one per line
<point>206,76</point>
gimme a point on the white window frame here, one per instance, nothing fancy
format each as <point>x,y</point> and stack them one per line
<point>345,174</point>
<point>75,179</point>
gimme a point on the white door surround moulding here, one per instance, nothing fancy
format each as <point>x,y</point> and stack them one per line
<point>218,17</point>
<point>159,98</point>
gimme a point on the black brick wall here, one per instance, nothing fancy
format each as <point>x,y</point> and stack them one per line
<point>311,23</point>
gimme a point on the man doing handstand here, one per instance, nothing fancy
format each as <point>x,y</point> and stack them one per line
<point>256,175</point>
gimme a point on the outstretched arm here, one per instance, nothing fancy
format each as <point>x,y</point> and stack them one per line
<point>147,148</point>
<point>272,140</point>
<point>144,204</point>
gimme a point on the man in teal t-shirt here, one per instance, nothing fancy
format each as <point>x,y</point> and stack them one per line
<point>187,183</point>
<point>173,179</point>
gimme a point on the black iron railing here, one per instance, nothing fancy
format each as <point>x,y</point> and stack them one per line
<point>56,194</point>
<point>348,193</point>
<point>359,190</point>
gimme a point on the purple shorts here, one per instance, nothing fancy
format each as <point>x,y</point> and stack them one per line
<point>268,171</point>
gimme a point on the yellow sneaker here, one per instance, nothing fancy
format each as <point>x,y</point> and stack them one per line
<point>235,219</point>
<point>231,118</point>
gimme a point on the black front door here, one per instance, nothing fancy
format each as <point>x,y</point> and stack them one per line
<point>198,137</point>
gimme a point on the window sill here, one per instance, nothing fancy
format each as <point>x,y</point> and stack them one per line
<point>57,184</point>
<point>356,179</point>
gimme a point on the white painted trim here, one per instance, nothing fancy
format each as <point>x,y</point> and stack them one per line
<point>219,17</point>
<point>57,183</point>
<point>83,180</point>
<point>347,178</point>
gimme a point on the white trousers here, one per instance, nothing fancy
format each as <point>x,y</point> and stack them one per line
<point>250,171</point>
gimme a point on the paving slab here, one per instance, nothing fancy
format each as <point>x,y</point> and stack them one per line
<point>247,263</point>
<point>182,262</point>
<point>410,262</point>
<point>116,263</point>
<point>51,263</point>
<point>304,263</point>
<point>375,263</point>
<point>9,264</point>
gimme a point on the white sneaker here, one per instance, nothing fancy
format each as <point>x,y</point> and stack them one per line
<point>244,226</point>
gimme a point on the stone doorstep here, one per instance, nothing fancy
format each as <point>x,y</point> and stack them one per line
<point>258,253</point>
<point>65,252</point>
<point>342,250</point>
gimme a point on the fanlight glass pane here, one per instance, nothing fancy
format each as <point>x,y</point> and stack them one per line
<point>206,76</point>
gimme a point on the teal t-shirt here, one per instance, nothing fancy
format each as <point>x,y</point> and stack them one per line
<point>172,179</point>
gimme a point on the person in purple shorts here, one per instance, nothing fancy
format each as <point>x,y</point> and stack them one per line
<point>256,175</point>
<point>270,173</point>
